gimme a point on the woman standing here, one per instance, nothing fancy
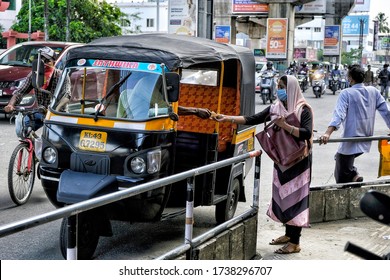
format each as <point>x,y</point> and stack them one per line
<point>291,186</point>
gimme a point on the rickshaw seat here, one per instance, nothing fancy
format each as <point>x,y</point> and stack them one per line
<point>200,96</point>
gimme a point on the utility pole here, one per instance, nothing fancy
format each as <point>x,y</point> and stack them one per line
<point>29,20</point>
<point>362,22</point>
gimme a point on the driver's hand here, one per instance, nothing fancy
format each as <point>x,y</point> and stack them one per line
<point>203,113</point>
<point>9,108</point>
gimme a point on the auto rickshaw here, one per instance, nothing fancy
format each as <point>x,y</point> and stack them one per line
<point>113,123</point>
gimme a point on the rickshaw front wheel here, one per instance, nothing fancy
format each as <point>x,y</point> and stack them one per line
<point>87,238</point>
<point>226,209</point>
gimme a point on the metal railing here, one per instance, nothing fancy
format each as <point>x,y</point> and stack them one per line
<point>73,210</point>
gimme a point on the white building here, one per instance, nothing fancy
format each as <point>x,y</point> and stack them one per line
<point>8,17</point>
<point>153,15</point>
<point>310,34</point>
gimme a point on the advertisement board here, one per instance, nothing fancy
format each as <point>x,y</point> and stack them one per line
<point>222,33</point>
<point>361,6</point>
<point>183,17</point>
<point>248,6</point>
<point>299,53</point>
<point>332,40</point>
<point>315,7</point>
<point>276,38</point>
<point>351,25</point>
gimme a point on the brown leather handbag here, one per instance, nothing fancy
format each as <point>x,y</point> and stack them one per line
<point>282,147</point>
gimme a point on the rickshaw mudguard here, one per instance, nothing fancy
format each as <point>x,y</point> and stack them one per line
<point>78,186</point>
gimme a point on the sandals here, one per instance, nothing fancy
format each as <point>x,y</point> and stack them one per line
<point>280,240</point>
<point>289,248</point>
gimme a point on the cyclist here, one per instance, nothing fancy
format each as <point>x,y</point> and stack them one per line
<point>43,99</point>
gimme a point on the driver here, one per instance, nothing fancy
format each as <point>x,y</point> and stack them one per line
<point>43,99</point>
<point>303,68</point>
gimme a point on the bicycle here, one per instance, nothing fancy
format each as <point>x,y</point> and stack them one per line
<point>21,167</point>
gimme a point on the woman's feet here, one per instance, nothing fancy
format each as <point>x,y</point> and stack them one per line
<point>289,248</point>
<point>280,240</point>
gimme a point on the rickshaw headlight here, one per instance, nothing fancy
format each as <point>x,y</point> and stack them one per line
<point>154,161</point>
<point>49,155</point>
<point>138,165</point>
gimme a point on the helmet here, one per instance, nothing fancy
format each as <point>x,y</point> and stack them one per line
<point>336,66</point>
<point>47,53</point>
<point>269,64</point>
<point>304,64</point>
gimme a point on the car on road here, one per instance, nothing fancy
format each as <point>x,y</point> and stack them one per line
<point>16,63</point>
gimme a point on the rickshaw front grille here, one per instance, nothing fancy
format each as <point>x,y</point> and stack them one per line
<point>90,163</point>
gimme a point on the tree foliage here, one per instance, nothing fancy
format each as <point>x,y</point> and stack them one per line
<point>89,19</point>
<point>350,57</point>
<point>382,22</point>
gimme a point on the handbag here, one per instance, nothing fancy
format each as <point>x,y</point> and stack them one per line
<point>282,147</point>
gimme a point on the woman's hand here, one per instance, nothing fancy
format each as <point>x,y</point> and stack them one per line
<point>280,121</point>
<point>221,118</point>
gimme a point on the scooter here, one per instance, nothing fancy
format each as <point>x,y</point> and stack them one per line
<point>375,205</point>
<point>334,83</point>
<point>318,84</point>
<point>343,83</point>
<point>302,80</point>
<point>267,86</point>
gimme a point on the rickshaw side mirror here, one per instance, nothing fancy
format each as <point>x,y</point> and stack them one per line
<point>173,84</point>
<point>38,74</point>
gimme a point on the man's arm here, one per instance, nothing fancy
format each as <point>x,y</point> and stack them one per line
<point>19,93</point>
<point>199,112</point>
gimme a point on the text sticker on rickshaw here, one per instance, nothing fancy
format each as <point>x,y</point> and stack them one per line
<point>142,66</point>
<point>93,141</point>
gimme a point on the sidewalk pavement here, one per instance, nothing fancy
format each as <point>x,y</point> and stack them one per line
<point>322,241</point>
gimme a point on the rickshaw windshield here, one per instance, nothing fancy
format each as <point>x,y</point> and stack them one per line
<point>133,94</point>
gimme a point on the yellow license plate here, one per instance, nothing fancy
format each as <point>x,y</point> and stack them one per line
<point>93,141</point>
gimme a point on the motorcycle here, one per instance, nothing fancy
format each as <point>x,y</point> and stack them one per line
<point>343,83</point>
<point>375,205</point>
<point>318,84</point>
<point>302,79</point>
<point>334,83</point>
<point>267,86</point>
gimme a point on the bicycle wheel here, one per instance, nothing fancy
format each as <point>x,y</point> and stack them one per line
<point>20,178</point>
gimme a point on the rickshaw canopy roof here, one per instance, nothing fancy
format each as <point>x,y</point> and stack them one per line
<point>175,51</point>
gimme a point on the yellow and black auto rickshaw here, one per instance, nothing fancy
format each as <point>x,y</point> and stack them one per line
<point>113,124</point>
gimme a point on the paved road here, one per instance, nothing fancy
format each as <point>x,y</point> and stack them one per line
<point>148,241</point>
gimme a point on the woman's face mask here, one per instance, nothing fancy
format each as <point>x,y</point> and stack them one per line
<point>282,94</point>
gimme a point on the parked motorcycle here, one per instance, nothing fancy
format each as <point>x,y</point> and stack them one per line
<point>375,205</point>
<point>302,80</point>
<point>267,86</point>
<point>318,84</point>
<point>334,83</point>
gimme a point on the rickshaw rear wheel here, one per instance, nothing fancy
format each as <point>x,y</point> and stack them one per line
<point>87,238</point>
<point>226,209</point>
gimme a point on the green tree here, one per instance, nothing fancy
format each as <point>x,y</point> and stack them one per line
<point>89,19</point>
<point>382,22</point>
<point>350,57</point>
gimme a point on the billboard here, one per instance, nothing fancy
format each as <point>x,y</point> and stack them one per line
<point>299,53</point>
<point>276,38</point>
<point>332,40</point>
<point>183,17</point>
<point>315,7</point>
<point>351,25</point>
<point>222,33</point>
<point>361,6</point>
<point>248,6</point>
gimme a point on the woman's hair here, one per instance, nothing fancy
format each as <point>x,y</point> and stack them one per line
<point>356,72</point>
<point>284,79</point>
